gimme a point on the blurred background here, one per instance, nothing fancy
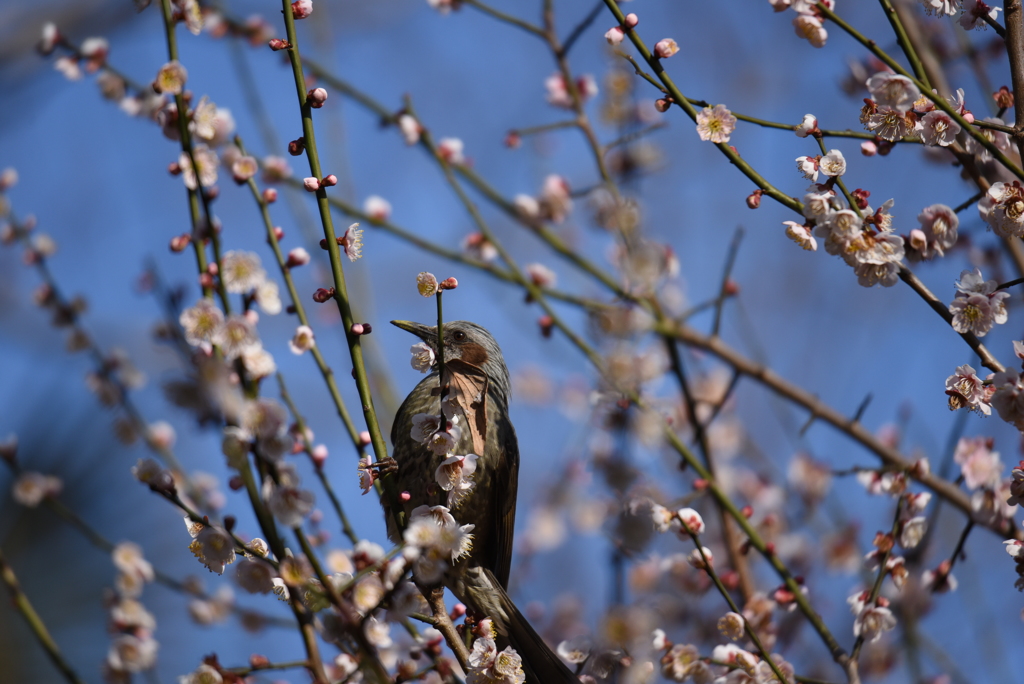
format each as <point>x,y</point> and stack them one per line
<point>97,182</point>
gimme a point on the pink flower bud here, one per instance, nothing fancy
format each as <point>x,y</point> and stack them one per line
<point>319,454</point>
<point>665,48</point>
<point>278,233</point>
<point>329,181</point>
<point>754,199</point>
<point>364,438</point>
<point>311,184</point>
<point>236,483</point>
<point>302,8</point>
<point>205,281</point>
<point>174,168</point>
<point>405,496</point>
<point>448,284</point>
<point>270,195</point>
<point>458,610</point>
<point>322,295</point>
<point>316,97</point>
<point>180,242</point>
<point>513,140</point>
<point>298,257</point>
<point>632,20</point>
<point>546,324</point>
<point>662,104</point>
<point>212,268</point>
<point>296,147</point>
<point>614,35</point>
<point>279,44</point>
<point>356,329</point>
<point>868,148</point>
<point>968,117</point>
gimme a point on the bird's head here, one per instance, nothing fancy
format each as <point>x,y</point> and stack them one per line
<point>466,341</point>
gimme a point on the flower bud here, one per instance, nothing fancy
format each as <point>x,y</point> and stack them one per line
<point>665,48</point>
<point>754,199</point>
<point>357,329</point>
<point>279,44</point>
<point>614,35</point>
<point>316,97</point>
<point>662,104</point>
<point>319,455</point>
<point>296,147</point>
<point>297,257</point>
<point>270,195</point>
<point>364,438</point>
<point>632,20</point>
<point>311,184</point>
<point>329,181</point>
<point>448,284</point>
<point>1003,98</point>
<point>174,168</point>
<point>205,281</point>
<point>868,148</point>
<point>302,8</point>
<point>513,140</point>
<point>180,242</point>
<point>322,295</point>
<point>546,324</point>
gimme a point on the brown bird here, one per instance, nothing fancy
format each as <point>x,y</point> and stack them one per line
<point>475,372</point>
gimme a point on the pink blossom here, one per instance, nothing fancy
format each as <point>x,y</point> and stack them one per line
<point>964,387</point>
<point>302,8</point>
<point>938,128</point>
<point>450,150</point>
<point>665,48</point>
<point>715,124</point>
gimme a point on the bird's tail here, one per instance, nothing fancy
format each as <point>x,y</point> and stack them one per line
<point>541,664</point>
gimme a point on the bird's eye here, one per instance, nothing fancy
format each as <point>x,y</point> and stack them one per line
<point>458,336</point>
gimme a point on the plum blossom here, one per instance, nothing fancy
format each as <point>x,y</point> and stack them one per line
<point>938,232</point>
<point>489,666</point>
<point>665,48</point>
<point>289,504</point>
<point>937,7</point>
<point>206,162</point>
<point>426,284</point>
<point>455,476</point>
<point>888,123</point>
<point>555,204</point>
<point>978,305</point>
<point>236,337</point>
<point>352,242</point>
<point>558,92</point>
<point>410,129</point>
<point>806,127</point>
<point>302,341</point>
<point>678,663</point>
<point>808,167</point>
<point>422,357</point>
<point>31,488</point>
<point>872,622</point>
<point>999,139</point>
<point>965,388</point>
<point>938,128</point>
<point>801,235</point>
<point>439,539</point>
<point>811,29</point>
<point>171,78</point>
<point>212,546</point>
<point>892,90</point>
<point>979,465</point>
<point>131,653</point>
<point>833,163</point>
<point>377,208</point>
<point>715,124</point>
<point>450,149</point>
<point>1003,209</point>
<point>974,13</point>
<point>241,272</point>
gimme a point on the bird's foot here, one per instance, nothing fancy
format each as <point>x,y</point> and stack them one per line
<point>386,466</point>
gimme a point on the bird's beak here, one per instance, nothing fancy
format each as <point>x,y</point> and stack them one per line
<point>424,332</point>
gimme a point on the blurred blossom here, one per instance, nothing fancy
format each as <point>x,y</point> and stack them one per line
<point>31,488</point>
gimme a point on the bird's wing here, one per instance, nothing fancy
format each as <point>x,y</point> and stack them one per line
<point>469,384</point>
<point>505,500</point>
